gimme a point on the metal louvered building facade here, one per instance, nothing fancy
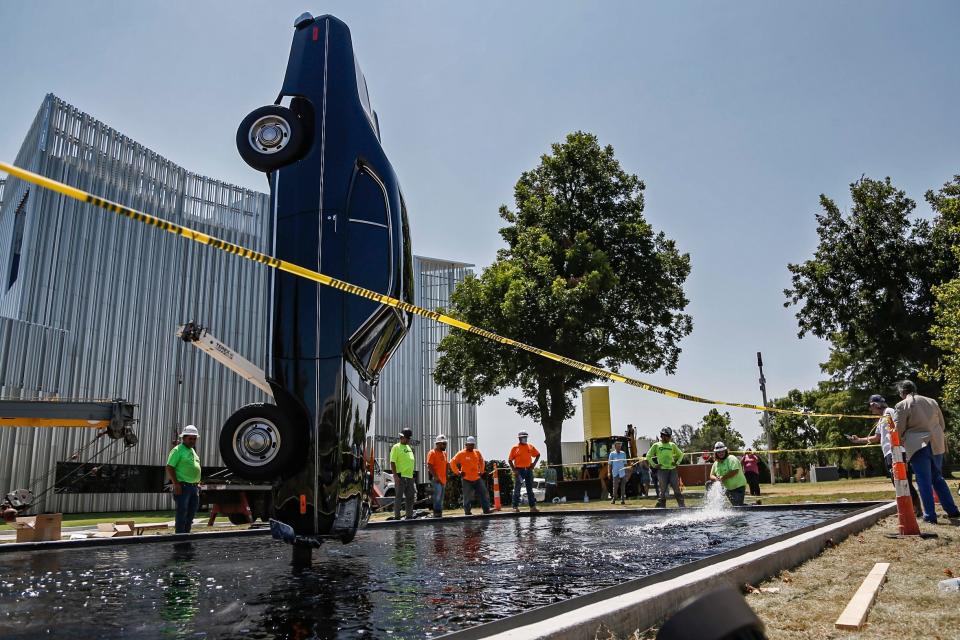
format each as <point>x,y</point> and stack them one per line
<point>407,395</point>
<point>89,303</point>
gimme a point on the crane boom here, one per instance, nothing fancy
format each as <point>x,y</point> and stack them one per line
<point>205,341</point>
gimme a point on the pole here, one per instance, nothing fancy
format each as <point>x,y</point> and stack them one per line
<point>766,420</point>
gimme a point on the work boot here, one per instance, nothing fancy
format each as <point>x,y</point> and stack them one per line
<point>438,514</point>
<point>534,510</point>
<point>614,501</point>
<point>622,502</point>
<point>467,513</point>
<point>661,504</point>
<point>487,512</point>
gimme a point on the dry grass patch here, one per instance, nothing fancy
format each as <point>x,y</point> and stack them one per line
<point>859,485</point>
<point>909,605</point>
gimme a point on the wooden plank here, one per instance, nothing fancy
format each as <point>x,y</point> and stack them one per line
<point>855,615</point>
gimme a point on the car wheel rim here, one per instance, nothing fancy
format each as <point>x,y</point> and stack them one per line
<point>269,134</point>
<point>256,442</point>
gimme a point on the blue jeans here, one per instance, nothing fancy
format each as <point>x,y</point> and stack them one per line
<point>187,503</point>
<point>926,468</point>
<point>475,487</point>
<point>437,497</point>
<point>526,476</point>
<point>736,496</point>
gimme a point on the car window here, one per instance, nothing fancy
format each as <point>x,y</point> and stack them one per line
<point>367,201</point>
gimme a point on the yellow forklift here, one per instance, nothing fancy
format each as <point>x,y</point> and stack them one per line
<point>591,478</point>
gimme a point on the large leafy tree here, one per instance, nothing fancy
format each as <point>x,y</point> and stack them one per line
<point>790,431</point>
<point>946,328</point>
<point>945,331</point>
<point>682,436</point>
<point>867,290</point>
<point>715,427</point>
<point>583,274</point>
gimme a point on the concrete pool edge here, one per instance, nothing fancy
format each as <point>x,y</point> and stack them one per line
<point>640,604</point>
<point>15,547</point>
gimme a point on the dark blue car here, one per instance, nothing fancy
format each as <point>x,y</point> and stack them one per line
<point>337,209</point>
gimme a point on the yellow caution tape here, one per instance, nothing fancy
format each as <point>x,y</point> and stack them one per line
<point>289,267</point>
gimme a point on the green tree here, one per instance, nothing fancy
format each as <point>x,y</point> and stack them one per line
<point>867,290</point>
<point>714,427</point>
<point>790,431</point>
<point>583,274</point>
<point>803,432</point>
<point>682,436</point>
<point>945,330</point>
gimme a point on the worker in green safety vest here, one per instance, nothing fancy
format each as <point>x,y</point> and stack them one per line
<point>664,456</point>
<point>727,469</point>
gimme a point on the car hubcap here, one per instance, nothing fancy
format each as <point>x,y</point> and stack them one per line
<point>269,134</point>
<point>256,442</point>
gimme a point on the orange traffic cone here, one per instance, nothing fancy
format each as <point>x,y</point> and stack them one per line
<point>496,488</point>
<point>905,513</point>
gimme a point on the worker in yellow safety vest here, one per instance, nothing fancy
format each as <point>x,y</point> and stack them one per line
<point>664,457</point>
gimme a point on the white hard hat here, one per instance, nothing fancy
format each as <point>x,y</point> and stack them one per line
<point>189,430</point>
<point>441,438</point>
<point>719,447</point>
<point>471,440</point>
<point>523,434</point>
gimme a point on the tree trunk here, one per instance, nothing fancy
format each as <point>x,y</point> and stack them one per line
<point>552,430</point>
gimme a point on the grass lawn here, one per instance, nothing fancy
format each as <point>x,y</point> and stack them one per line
<point>852,490</point>
<point>909,605</point>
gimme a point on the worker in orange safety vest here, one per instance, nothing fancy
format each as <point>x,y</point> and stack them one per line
<point>468,464</point>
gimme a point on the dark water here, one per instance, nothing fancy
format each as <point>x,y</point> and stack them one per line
<point>390,583</point>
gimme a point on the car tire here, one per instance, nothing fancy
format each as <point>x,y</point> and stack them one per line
<point>259,442</point>
<point>270,137</point>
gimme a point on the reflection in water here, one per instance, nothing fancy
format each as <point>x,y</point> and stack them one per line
<point>181,591</point>
<point>403,596</point>
<point>402,582</point>
<point>309,604</point>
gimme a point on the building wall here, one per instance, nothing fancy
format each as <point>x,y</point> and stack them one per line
<point>96,299</point>
<point>408,397</point>
<point>94,306</point>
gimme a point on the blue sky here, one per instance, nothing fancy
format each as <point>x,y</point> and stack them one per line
<point>736,115</point>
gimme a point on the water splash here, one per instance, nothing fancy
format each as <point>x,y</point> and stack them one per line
<point>715,501</point>
<point>715,507</point>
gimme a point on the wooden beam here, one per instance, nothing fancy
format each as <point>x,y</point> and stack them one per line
<point>855,615</point>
